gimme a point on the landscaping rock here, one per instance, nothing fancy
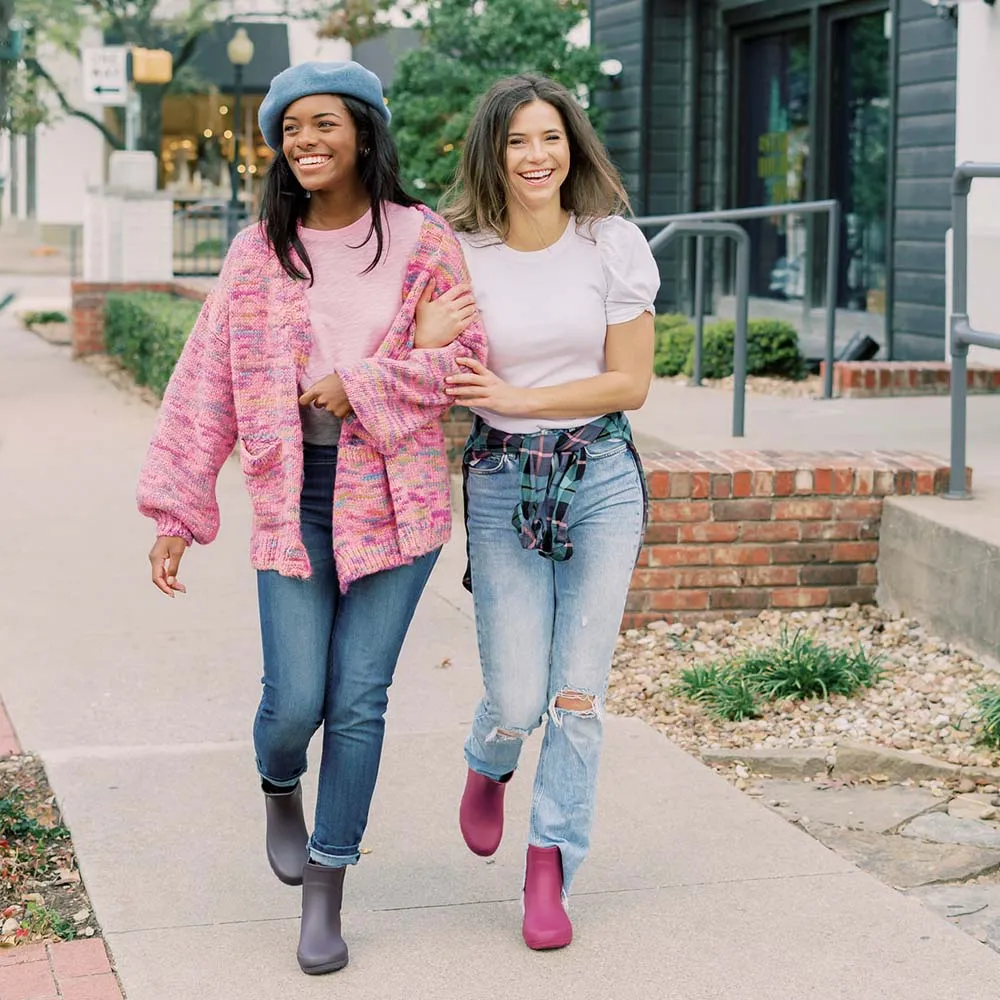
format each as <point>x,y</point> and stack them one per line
<point>940,828</point>
<point>972,807</point>
<point>861,760</point>
<point>790,763</point>
<point>901,862</point>
<point>926,699</point>
<point>973,908</point>
<point>876,810</point>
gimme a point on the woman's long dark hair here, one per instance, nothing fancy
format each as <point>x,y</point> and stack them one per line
<point>285,200</point>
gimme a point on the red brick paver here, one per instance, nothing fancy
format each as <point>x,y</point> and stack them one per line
<point>67,970</point>
<point>27,981</point>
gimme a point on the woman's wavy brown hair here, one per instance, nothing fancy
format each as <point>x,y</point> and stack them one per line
<point>477,200</point>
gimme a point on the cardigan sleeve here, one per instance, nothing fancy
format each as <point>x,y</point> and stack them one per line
<point>195,433</point>
<point>393,397</point>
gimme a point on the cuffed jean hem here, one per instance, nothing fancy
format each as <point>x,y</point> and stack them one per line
<point>493,773</point>
<point>282,782</point>
<point>334,857</point>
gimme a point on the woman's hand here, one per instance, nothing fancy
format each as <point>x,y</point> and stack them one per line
<point>165,559</point>
<point>328,394</point>
<point>479,387</point>
<point>440,321</point>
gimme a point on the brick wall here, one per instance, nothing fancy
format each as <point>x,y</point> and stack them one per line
<point>735,532</point>
<point>860,379</point>
<point>88,308</point>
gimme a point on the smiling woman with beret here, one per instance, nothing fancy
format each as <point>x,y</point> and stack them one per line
<point>320,353</point>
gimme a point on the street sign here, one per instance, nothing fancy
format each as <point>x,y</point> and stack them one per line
<point>105,75</point>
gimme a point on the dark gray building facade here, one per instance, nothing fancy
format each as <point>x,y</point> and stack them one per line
<point>731,103</point>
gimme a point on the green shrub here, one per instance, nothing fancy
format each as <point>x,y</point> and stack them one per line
<point>772,349</point>
<point>794,667</point>
<point>800,667</point>
<point>43,318</point>
<point>147,331</point>
<point>988,704</point>
<point>717,346</point>
<point>674,337</point>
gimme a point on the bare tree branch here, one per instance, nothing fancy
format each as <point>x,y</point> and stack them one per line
<point>37,69</point>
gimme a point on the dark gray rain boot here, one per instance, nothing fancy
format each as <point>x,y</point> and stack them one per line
<point>321,948</point>
<point>286,834</point>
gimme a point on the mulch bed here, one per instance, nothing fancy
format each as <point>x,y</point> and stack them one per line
<point>42,897</point>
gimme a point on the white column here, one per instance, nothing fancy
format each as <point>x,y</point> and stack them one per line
<point>978,139</point>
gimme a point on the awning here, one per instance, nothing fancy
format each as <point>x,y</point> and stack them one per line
<point>270,55</point>
<point>212,65</point>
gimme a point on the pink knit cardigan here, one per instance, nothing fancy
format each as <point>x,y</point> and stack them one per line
<point>238,380</point>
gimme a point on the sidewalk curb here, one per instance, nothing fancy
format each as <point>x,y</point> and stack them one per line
<point>9,743</point>
<point>70,970</point>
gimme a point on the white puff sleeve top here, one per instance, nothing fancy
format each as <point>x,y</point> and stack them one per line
<point>632,275</point>
<point>547,312</point>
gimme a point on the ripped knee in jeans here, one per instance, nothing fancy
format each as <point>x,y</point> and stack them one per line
<point>582,704</point>
<point>501,735</point>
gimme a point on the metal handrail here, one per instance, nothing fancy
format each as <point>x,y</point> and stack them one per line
<point>830,206</point>
<point>962,333</point>
<point>701,229</point>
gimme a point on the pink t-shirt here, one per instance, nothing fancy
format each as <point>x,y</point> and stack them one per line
<point>351,311</point>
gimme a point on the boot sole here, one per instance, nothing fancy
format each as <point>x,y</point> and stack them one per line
<point>286,879</point>
<point>322,970</point>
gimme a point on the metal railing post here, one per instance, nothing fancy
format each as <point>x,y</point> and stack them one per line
<point>960,187</point>
<point>830,207</point>
<point>701,228</point>
<point>699,306</point>
<point>742,238</point>
<point>832,283</point>
<point>962,333</point>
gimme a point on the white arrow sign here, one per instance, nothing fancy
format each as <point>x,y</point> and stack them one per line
<point>105,75</point>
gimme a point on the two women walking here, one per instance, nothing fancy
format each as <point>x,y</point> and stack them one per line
<point>341,330</point>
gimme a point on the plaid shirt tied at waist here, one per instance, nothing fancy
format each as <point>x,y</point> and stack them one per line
<point>551,465</point>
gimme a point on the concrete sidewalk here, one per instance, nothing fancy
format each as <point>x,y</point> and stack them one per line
<point>141,708</point>
<point>701,419</point>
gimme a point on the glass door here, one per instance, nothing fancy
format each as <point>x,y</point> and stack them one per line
<point>859,148</point>
<point>774,144</point>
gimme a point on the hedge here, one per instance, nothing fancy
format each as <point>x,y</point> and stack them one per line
<point>147,331</point>
<point>674,337</point>
<point>772,349</point>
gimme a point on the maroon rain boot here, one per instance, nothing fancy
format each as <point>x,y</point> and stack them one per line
<point>481,812</point>
<point>546,922</point>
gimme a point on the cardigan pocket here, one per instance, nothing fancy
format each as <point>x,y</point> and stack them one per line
<point>261,459</point>
<point>264,475</point>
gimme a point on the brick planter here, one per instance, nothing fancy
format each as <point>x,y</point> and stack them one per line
<point>865,379</point>
<point>736,532</point>
<point>88,308</point>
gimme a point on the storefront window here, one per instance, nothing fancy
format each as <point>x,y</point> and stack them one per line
<point>198,146</point>
<point>859,174</point>
<point>775,144</point>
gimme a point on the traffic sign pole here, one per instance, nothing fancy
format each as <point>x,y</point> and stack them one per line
<point>133,116</point>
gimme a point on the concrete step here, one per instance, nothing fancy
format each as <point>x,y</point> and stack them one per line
<point>939,562</point>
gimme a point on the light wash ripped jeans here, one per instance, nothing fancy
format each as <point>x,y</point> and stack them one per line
<point>548,629</point>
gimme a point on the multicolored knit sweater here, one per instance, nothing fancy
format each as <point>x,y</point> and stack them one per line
<point>237,380</point>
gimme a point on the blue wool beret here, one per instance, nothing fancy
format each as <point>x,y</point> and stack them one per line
<point>348,79</point>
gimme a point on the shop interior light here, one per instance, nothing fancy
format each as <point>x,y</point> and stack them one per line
<point>223,109</point>
<point>228,134</point>
<point>207,133</point>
